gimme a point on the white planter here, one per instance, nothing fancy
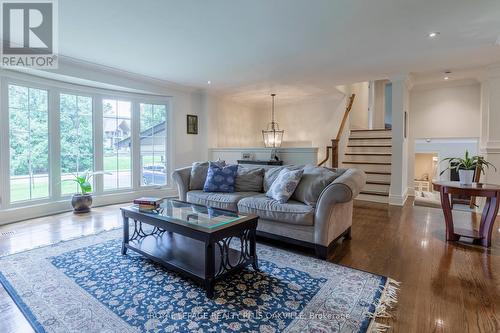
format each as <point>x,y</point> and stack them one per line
<point>466,176</point>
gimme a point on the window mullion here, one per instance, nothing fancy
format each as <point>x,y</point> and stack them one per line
<point>4,146</point>
<point>136,146</point>
<point>98,130</point>
<point>54,144</point>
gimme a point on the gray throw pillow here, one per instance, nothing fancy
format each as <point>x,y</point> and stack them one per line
<point>284,185</point>
<point>249,180</point>
<point>271,174</point>
<point>313,182</point>
<point>199,172</point>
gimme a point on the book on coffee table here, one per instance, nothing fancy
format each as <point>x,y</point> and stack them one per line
<point>148,203</point>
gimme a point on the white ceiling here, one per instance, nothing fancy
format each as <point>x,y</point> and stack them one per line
<point>300,45</point>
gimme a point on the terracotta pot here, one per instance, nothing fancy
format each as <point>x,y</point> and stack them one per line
<point>81,203</point>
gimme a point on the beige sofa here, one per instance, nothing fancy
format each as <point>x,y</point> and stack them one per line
<point>317,225</point>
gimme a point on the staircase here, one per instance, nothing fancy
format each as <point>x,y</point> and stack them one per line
<point>370,151</point>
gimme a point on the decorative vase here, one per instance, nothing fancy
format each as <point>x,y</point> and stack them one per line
<point>466,176</point>
<point>81,203</point>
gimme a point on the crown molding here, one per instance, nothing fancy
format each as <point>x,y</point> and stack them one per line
<point>112,71</point>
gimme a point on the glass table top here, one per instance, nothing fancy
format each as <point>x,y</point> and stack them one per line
<point>197,215</point>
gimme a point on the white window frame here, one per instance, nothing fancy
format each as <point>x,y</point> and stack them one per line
<point>55,88</point>
<point>167,145</point>
<point>6,200</point>
<point>133,126</point>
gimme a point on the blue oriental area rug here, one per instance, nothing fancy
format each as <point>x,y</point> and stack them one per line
<point>86,285</point>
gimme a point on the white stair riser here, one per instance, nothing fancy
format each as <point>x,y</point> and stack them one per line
<point>367,158</point>
<point>378,178</point>
<point>372,198</point>
<point>376,188</point>
<point>371,134</point>
<point>368,150</point>
<point>369,167</point>
<point>371,138</point>
<point>374,141</point>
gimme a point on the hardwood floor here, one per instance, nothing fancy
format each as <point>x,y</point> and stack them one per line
<point>446,287</point>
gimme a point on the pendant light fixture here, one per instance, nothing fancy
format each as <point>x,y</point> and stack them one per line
<point>273,136</point>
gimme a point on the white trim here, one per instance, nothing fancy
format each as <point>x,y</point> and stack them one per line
<point>135,148</point>
<point>97,127</point>
<point>261,149</point>
<point>4,146</point>
<point>55,207</point>
<point>54,144</point>
<point>447,140</point>
<point>80,88</point>
<point>398,200</point>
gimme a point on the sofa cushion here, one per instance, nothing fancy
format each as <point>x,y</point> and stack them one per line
<point>217,199</point>
<point>284,185</point>
<point>293,212</point>
<point>271,174</point>
<point>220,178</point>
<point>313,182</point>
<point>249,180</point>
<point>198,175</point>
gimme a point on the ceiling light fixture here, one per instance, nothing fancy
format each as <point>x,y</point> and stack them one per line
<point>209,82</point>
<point>272,135</point>
<point>433,34</point>
<point>447,75</point>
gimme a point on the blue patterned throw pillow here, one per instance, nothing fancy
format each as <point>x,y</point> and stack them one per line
<point>220,178</point>
<point>284,185</point>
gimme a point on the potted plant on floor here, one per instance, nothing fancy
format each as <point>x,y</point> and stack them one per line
<point>466,166</point>
<point>82,200</point>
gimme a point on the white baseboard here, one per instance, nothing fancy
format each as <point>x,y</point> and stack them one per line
<point>51,208</point>
<point>398,200</point>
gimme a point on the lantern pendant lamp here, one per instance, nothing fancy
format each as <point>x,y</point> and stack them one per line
<point>273,136</point>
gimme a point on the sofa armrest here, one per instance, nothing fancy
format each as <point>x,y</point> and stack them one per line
<point>333,213</point>
<point>181,178</point>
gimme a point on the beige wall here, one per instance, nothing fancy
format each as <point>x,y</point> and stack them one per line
<point>359,113</point>
<point>379,103</point>
<point>310,122</point>
<point>237,125</point>
<point>443,111</point>
<point>446,112</point>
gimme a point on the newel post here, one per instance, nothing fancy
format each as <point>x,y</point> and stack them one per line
<point>335,153</point>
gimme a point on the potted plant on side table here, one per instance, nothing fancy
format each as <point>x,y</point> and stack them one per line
<point>466,166</point>
<point>82,200</point>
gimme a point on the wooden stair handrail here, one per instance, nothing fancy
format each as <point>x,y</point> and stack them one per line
<point>335,142</point>
<point>327,156</point>
<point>346,114</point>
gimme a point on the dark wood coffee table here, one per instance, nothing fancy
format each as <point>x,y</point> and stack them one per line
<point>490,210</point>
<point>193,240</point>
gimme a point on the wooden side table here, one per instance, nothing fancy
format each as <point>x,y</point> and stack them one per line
<point>489,191</point>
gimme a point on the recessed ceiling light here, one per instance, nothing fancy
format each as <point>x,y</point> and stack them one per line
<point>433,34</point>
<point>209,82</point>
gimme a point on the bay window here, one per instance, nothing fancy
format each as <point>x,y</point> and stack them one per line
<point>55,131</point>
